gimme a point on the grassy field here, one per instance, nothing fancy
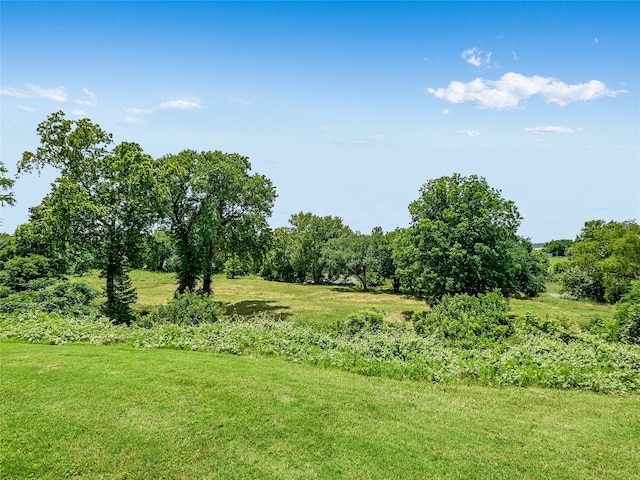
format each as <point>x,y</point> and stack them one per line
<point>325,303</point>
<point>83,411</point>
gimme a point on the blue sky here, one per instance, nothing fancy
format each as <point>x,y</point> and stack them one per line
<point>347,107</point>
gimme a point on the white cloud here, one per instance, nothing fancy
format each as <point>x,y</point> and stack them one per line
<point>476,57</point>
<point>34,91</point>
<point>511,88</point>
<point>552,129</point>
<point>514,54</point>
<point>170,105</point>
<point>24,108</point>
<point>180,105</point>
<point>132,120</point>
<point>77,112</point>
<point>140,110</point>
<point>468,133</point>
<point>445,111</point>
<point>91,99</point>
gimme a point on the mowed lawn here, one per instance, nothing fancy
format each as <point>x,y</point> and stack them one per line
<point>84,411</point>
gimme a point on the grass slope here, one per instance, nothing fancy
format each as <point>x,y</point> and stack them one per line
<point>113,412</point>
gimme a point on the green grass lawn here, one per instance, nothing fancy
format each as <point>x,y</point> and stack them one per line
<point>83,411</point>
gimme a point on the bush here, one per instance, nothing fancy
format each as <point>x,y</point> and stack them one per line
<point>51,295</point>
<point>362,321</point>
<point>19,271</point>
<point>466,320</point>
<point>186,309</point>
<point>628,314</point>
<point>582,284</point>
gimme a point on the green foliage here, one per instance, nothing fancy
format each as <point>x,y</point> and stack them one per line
<point>300,252</point>
<point>104,199</point>
<point>467,321</point>
<point>121,295</point>
<point>462,239</point>
<point>363,321</point>
<point>234,267</point>
<point>159,253</point>
<point>605,259</point>
<point>539,352</point>
<point>51,295</point>
<point>557,248</point>
<point>628,314</point>
<point>213,207</point>
<point>186,309</point>
<point>6,184</point>
<point>531,268</point>
<point>277,262</point>
<point>19,271</point>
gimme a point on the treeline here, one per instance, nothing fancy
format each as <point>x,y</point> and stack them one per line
<point>115,208</point>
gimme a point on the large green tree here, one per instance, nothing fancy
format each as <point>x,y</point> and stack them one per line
<point>213,207</point>
<point>309,235</point>
<point>366,257</point>
<point>462,239</point>
<point>103,199</point>
<point>604,260</point>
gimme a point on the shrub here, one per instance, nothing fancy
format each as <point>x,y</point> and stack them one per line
<point>65,297</point>
<point>467,320</point>
<point>370,320</point>
<point>51,295</point>
<point>19,271</point>
<point>582,284</point>
<point>628,314</point>
<point>186,309</point>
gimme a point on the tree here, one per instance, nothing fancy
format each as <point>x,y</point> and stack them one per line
<point>309,234</point>
<point>531,267</point>
<point>603,260</point>
<point>461,239</point>
<point>6,184</point>
<point>103,198</point>
<point>277,263</point>
<point>366,257</point>
<point>557,248</point>
<point>213,207</point>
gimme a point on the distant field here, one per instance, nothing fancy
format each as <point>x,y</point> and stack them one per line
<point>112,412</point>
<point>324,303</point>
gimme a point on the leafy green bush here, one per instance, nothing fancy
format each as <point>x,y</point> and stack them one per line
<point>467,320</point>
<point>580,283</point>
<point>19,271</point>
<point>186,309</point>
<point>370,320</point>
<point>51,295</point>
<point>628,314</point>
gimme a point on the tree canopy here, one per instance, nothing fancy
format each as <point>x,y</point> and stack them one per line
<point>604,260</point>
<point>212,206</point>
<point>462,239</point>
<point>102,199</point>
